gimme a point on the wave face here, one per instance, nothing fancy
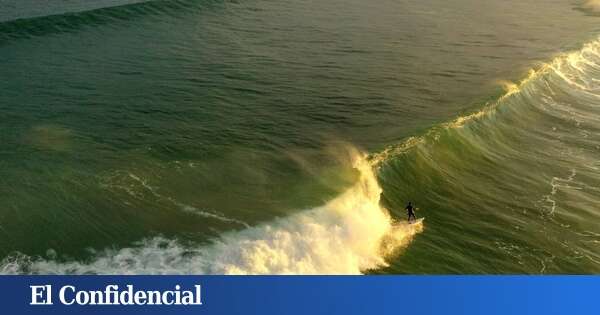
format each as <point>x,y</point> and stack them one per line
<point>516,183</point>
<point>348,235</point>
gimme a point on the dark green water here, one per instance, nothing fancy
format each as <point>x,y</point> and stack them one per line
<point>286,137</point>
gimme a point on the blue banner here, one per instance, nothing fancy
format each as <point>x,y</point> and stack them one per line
<point>299,294</point>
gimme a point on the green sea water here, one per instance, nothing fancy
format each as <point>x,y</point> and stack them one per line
<point>269,137</point>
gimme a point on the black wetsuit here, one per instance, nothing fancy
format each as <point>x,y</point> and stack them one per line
<point>411,212</point>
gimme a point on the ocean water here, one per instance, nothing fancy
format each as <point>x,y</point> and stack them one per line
<point>286,137</point>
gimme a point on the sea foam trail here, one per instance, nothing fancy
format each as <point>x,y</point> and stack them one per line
<point>348,235</point>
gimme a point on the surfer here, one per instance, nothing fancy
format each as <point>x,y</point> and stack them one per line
<point>411,211</point>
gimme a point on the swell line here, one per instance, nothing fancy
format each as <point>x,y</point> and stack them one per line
<point>67,22</point>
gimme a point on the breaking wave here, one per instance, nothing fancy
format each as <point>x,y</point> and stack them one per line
<point>348,235</point>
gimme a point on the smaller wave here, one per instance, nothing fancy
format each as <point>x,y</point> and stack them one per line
<point>24,25</point>
<point>348,235</point>
<point>28,9</point>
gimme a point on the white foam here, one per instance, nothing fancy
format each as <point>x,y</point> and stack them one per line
<point>348,235</point>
